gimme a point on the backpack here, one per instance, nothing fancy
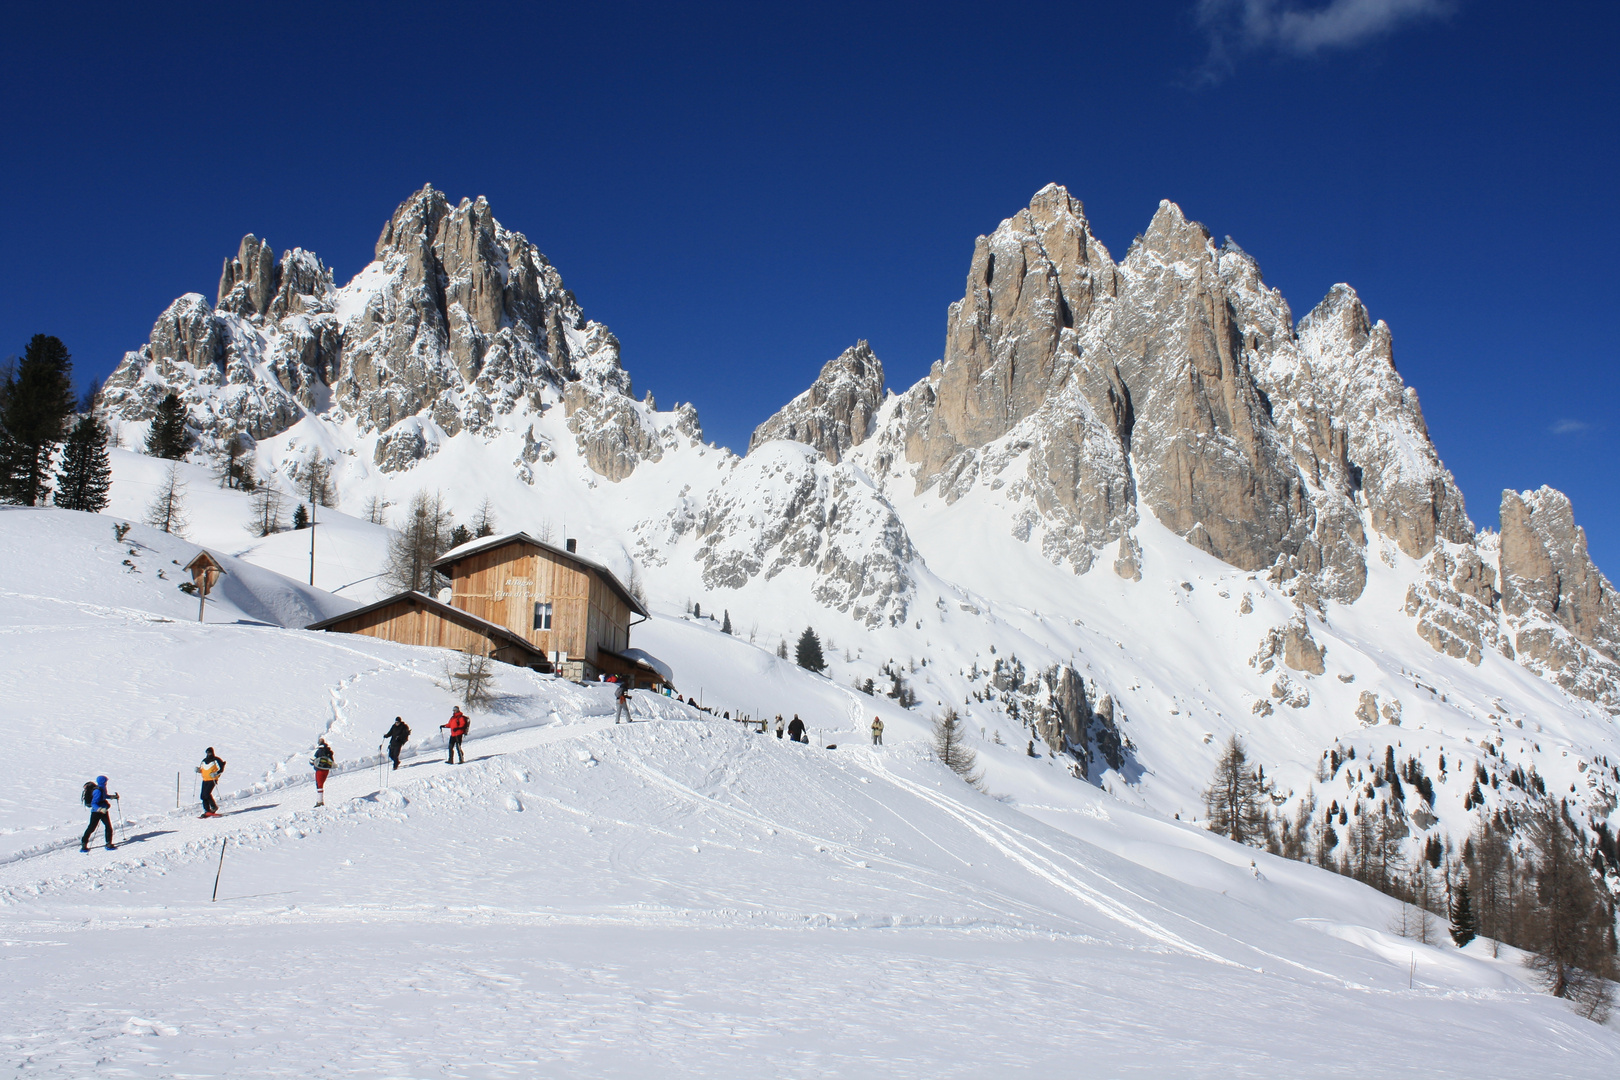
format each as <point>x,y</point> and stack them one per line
<point>89,793</point>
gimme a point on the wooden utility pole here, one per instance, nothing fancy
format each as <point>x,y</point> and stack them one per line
<point>314,482</point>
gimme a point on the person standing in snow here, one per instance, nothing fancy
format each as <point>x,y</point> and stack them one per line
<point>780,727</point>
<point>877,731</point>
<point>323,762</point>
<point>796,729</point>
<point>624,703</point>
<point>397,737</point>
<point>96,797</point>
<point>210,770</point>
<point>458,726</point>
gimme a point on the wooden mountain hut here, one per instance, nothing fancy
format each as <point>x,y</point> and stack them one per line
<point>526,602</point>
<point>414,619</point>
<point>574,609</point>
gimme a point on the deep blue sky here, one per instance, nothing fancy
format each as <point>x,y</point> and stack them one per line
<point>742,192</point>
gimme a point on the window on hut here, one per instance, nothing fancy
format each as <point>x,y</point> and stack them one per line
<point>542,616</point>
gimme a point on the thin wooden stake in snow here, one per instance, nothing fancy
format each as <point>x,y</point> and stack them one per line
<point>221,869</point>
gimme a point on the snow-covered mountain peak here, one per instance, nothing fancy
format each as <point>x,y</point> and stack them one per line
<point>1117,474</point>
<point>836,412</point>
<point>459,324</point>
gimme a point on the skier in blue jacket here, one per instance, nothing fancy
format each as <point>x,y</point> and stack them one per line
<point>100,810</point>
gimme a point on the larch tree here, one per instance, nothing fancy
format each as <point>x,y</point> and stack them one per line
<point>951,748</point>
<point>85,478</point>
<point>1232,800</point>
<point>315,483</point>
<point>167,510</point>
<point>484,519</point>
<point>1570,953</point>
<point>423,535</point>
<point>235,469</point>
<point>267,505</point>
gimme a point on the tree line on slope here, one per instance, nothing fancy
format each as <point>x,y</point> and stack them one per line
<point>1528,879</point>
<point>43,427</point>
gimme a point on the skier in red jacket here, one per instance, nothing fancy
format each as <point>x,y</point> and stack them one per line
<point>458,727</point>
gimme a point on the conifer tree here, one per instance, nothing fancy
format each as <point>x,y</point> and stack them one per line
<point>952,749</point>
<point>234,468</point>
<point>318,485</point>
<point>168,437</point>
<point>266,517</point>
<point>484,520</point>
<point>1232,800</point>
<point>809,652</point>
<point>423,536</point>
<point>86,474</point>
<point>1570,954</point>
<point>36,400</point>
<point>1462,917</point>
<point>725,625</point>
<point>301,517</point>
<point>460,535</point>
<point>167,510</point>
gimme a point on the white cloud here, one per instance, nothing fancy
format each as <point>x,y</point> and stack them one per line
<point>1237,26</point>
<point>1570,427</point>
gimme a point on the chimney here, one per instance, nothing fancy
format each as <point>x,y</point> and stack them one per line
<point>573,546</point>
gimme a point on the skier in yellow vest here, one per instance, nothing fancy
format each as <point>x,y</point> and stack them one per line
<point>210,771</point>
<point>877,731</point>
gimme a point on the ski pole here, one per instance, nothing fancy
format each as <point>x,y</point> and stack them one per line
<point>221,869</point>
<point>380,773</point>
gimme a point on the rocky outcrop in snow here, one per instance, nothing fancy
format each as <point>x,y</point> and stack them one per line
<point>1014,390</point>
<point>458,322</point>
<point>786,508</point>
<point>837,411</point>
<point>1560,608</point>
<point>1176,377</point>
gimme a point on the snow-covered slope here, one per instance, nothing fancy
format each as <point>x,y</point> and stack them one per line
<point>1135,509</point>
<point>684,896</point>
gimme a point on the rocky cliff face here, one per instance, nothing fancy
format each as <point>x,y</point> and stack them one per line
<point>1177,382</point>
<point>1559,608</point>
<point>457,322</point>
<point>836,413</point>
<point>788,507</point>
